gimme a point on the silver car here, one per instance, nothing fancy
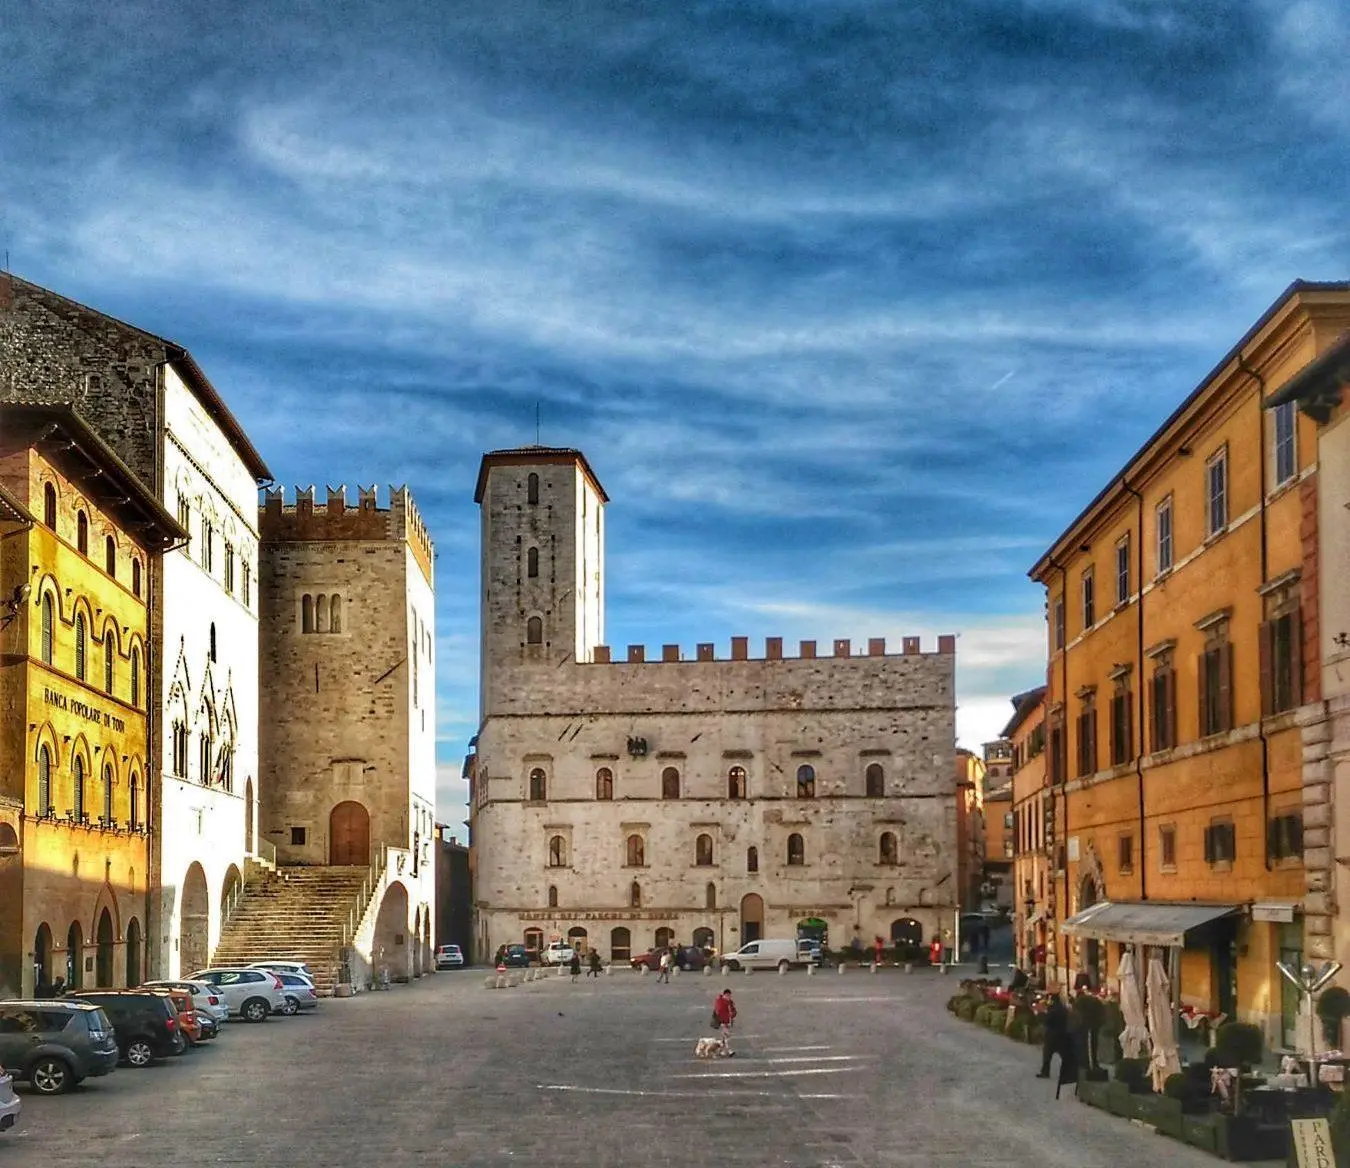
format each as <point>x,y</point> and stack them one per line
<point>205,1000</point>
<point>300,993</point>
<point>280,965</point>
<point>252,994</point>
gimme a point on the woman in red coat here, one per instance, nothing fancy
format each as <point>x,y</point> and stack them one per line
<point>724,1010</point>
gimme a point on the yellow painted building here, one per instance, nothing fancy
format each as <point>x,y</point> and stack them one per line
<point>1033,890</point>
<point>77,533</point>
<point>1183,645</point>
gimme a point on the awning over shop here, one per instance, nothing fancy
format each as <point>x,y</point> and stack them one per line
<point>1155,923</point>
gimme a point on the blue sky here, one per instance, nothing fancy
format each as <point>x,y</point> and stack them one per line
<point>851,306</point>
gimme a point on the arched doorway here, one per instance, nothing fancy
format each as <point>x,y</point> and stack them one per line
<point>416,945</point>
<point>620,944</point>
<point>133,953</point>
<point>75,957</point>
<point>576,937</point>
<point>349,836</point>
<point>815,929</point>
<point>703,938</point>
<point>428,956</point>
<point>389,953</point>
<point>231,888</point>
<point>248,818</point>
<point>42,956</point>
<point>907,932</point>
<point>752,917</point>
<point>103,962</point>
<point>664,936</point>
<point>194,928</point>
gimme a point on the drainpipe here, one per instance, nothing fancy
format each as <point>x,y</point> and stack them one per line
<point>1139,679</point>
<point>1252,372</point>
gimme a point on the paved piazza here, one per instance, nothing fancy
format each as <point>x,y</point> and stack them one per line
<point>830,1070</point>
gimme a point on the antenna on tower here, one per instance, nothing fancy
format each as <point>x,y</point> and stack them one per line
<point>536,423</point>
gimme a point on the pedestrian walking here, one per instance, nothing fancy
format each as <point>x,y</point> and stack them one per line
<point>1056,1040</point>
<point>877,947</point>
<point>594,970</point>
<point>665,967</point>
<point>576,965</point>
<point>724,1014</point>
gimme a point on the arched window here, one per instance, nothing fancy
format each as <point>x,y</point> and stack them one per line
<point>806,782</point>
<point>204,758</point>
<point>135,676</point>
<point>110,555</point>
<point>49,505</point>
<point>335,614</point>
<point>77,805</point>
<point>670,783</point>
<point>552,896</point>
<point>636,852</point>
<point>796,850</point>
<point>557,852</point>
<point>307,613</point>
<point>81,646</point>
<point>532,562</point>
<point>211,650</point>
<point>703,851</point>
<point>134,789</point>
<point>736,783</point>
<point>635,895</point>
<point>710,896</point>
<point>135,576</point>
<point>321,613</point>
<point>48,619</point>
<point>44,791</point>
<point>538,785</point>
<point>876,780</point>
<point>752,859</point>
<point>534,631</point>
<point>886,849</point>
<point>532,489</point>
<point>109,657</point>
<point>180,749</point>
<point>107,819</point>
<point>604,783</point>
<point>82,533</point>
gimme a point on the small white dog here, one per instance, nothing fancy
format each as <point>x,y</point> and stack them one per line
<point>708,1048</point>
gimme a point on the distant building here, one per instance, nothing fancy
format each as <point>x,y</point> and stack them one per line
<point>996,886</point>
<point>454,894</point>
<point>969,829</point>
<point>1033,834</point>
<point>626,803</point>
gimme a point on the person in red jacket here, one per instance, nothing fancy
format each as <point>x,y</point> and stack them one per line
<point>724,1010</point>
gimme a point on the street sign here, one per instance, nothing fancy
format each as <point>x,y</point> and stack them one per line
<point>1312,1143</point>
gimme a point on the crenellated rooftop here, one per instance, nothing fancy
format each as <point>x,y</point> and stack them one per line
<point>773,651</point>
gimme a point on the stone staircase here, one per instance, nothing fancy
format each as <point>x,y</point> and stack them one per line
<point>295,914</point>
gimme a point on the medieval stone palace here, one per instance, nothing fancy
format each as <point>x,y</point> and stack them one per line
<point>705,800</point>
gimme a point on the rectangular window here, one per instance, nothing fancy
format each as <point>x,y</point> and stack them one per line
<point>1163,526</point>
<point>1058,761</point>
<point>1167,847</point>
<point>1281,664</point>
<point>1162,700</point>
<point>1286,442</point>
<point>1057,618</point>
<point>1123,571</point>
<point>1087,741</point>
<point>1125,853</point>
<point>1122,726</point>
<point>1089,608</point>
<point>1216,689</point>
<point>1220,843</point>
<point>1216,493</point>
<point>1286,837</point>
<point>1008,820</point>
<point>297,837</point>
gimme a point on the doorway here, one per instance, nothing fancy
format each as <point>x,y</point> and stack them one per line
<point>349,835</point>
<point>1291,954</point>
<point>752,918</point>
<point>1223,958</point>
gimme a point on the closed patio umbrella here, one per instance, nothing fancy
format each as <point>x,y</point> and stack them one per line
<point>1134,1038</point>
<point>1161,1024</point>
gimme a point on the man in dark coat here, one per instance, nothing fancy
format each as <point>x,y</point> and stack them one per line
<point>1056,1040</point>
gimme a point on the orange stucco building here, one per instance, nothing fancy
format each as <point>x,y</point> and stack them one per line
<point>1183,648</point>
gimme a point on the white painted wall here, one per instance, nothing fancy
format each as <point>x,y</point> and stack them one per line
<point>203,822</point>
<point>422,744</point>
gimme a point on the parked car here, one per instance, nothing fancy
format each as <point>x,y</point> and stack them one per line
<point>279,965</point>
<point>145,1024</point>
<point>514,956</point>
<point>449,957</point>
<point>557,953</point>
<point>205,1000</point>
<point>253,994</point>
<point>686,958</point>
<point>187,1014</point>
<point>300,993</point>
<point>9,1102</point>
<point>55,1044</point>
<point>770,954</point>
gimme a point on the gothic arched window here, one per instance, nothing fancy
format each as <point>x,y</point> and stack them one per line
<point>532,562</point>
<point>48,619</point>
<point>107,796</point>
<point>552,896</point>
<point>135,577</point>
<point>81,646</point>
<point>135,676</point>
<point>44,780</point>
<point>532,489</point>
<point>77,804</point>
<point>604,783</point>
<point>736,783</point>
<point>806,782</point>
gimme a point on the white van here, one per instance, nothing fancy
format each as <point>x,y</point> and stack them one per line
<point>769,954</point>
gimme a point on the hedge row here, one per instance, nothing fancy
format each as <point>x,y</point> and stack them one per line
<point>1024,1026</point>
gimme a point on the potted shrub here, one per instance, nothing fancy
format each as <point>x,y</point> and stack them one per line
<point>1332,1007</point>
<point>1161,1112</point>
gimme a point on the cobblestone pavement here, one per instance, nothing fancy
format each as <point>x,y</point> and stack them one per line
<point>829,1071</point>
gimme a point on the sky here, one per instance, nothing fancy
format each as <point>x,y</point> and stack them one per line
<point>851,306</point>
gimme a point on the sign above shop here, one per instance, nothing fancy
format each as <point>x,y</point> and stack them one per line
<point>83,710</point>
<point>1273,912</point>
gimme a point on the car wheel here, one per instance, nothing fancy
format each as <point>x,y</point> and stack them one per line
<point>255,1010</point>
<point>783,966</point>
<point>50,1076</point>
<point>292,1006</point>
<point>139,1053</point>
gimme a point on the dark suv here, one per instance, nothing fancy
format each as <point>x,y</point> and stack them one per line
<point>146,1023</point>
<point>55,1044</point>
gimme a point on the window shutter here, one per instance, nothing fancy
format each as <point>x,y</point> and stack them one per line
<point>1225,665</point>
<point>1296,835</point>
<point>1296,657</point>
<point>1128,698</point>
<point>1273,834</point>
<point>1202,672</point>
<point>1266,642</point>
<point>1209,845</point>
<point>1170,706</point>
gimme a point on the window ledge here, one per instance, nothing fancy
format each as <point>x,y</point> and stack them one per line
<point>1167,869</point>
<point>1214,536</point>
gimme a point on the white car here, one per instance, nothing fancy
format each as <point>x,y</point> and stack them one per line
<point>252,994</point>
<point>449,957</point>
<point>558,953</point>
<point>205,1000</point>
<point>10,1106</point>
<point>282,966</point>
